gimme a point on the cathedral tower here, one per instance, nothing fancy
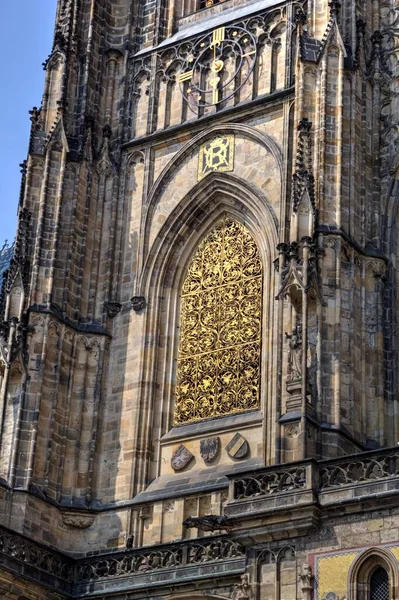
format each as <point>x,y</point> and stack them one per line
<point>198,341</point>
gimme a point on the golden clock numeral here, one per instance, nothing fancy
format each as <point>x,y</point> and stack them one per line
<point>185,76</point>
<point>215,96</point>
<point>217,36</point>
<point>248,53</point>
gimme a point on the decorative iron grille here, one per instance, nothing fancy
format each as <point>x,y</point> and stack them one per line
<point>220,329</point>
<point>379,585</point>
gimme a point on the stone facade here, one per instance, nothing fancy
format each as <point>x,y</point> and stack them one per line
<point>290,131</point>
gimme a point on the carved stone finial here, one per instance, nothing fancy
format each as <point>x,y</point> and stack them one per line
<point>138,303</point>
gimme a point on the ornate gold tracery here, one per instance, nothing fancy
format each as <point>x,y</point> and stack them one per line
<point>218,369</point>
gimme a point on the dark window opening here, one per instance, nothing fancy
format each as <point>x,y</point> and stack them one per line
<point>379,585</point>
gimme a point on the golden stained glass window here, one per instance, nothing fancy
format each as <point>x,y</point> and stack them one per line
<point>218,371</point>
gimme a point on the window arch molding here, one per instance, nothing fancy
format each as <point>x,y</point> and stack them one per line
<point>257,203</point>
<point>216,196</point>
<point>362,569</point>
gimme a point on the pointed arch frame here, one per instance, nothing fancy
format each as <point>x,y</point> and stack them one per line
<point>216,196</point>
<point>362,569</point>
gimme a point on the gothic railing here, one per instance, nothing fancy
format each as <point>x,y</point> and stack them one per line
<point>170,557</point>
<point>269,482</point>
<point>359,468</point>
<point>43,564</point>
<point>319,476</point>
<point>62,572</point>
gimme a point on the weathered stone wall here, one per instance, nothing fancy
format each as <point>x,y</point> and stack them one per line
<point>113,209</point>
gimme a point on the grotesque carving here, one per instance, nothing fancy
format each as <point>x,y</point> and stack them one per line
<point>138,303</point>
<point>208,523</point>
<point>113,308</point>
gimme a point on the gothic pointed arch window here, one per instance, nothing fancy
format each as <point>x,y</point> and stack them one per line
<point>374,576</point>
<point>218,367</point>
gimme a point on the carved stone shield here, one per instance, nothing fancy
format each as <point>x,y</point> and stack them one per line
<point>238,447</point>
<point>180,458</point>
<point>209,448</point>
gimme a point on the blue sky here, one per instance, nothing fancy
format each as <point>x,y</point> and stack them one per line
<point>26,32</point>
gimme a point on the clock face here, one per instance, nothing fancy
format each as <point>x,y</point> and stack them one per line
<point>218,65</point>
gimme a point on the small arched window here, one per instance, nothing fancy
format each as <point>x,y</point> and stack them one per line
<point>379,584</point>
<point>373,576</point>
<point>218,370</point>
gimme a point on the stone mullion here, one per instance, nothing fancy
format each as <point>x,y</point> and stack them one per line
<point>153,91</point>
<point>39,233</point>
<point>51,447</point>
<point>375,168</point>
<point>145,411</point>
<point>320,167</point>
<point>106,237</point>
<point>67,410</point>
<point>321,17</point>
<point>15,454</point>
<point>76,392</point>
<point>81,241</point>
<point>87,429</point>
<point>97,395</point>
<point>70,252</point>
<point>289,63</point>
<point>92,264</point>
<point>362,346</point>
<point>35,424</point>
<point>57,224</point>
<point>108,291</point>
